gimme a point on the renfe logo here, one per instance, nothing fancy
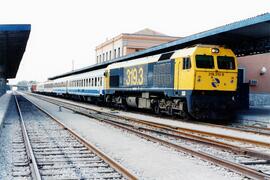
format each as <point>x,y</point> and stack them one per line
<point>215,82</point>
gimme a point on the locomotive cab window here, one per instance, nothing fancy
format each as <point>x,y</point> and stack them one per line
<point>226,62</point>
<point>186,63</point>
<point>205,61</point>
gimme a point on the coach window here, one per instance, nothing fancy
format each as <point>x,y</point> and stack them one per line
<point>186,63</point>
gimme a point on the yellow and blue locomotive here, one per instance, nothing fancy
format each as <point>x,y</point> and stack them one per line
<point>200,81</point>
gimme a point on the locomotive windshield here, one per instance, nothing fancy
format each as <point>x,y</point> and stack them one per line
<point>226,62</point>
<point>204,61</point>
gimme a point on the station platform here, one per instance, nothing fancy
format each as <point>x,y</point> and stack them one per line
<point>4,103</point>
<point>255,115</point>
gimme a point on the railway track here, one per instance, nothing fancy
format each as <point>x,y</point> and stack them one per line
<point>54,151</point>
<point>210,135</point>
<point>161,133</point>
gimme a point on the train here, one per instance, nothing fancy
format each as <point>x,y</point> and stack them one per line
<point>198,81</point>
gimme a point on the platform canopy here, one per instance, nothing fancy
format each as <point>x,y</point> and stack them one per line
<point>13,40</point>
<point>246,37</point>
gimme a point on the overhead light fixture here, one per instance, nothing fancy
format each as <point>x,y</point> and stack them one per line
<point>263,71</point>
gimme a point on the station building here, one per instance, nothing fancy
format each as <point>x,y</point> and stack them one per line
<point>256,70</point>
<point>126,43</point>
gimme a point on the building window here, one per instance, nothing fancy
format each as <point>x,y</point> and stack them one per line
<point>103,57</point>
<point>110,56</point>
<point>114,53</point>
<point>99,58</point>
<point>119,52</point>
<point>106,56</point>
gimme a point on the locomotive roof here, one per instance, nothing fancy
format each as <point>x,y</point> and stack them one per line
<point>246,37</point>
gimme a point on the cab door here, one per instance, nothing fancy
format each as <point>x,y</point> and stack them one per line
<point>177,73</point>
<point>186,74</point>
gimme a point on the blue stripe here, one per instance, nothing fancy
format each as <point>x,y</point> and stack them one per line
<point>90,92</point>
<point>15,27</point>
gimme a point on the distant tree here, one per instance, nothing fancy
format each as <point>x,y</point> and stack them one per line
<point>23,85</point>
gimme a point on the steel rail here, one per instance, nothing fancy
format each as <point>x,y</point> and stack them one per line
<point>244,140</point>
<point>180,129</point>
<point>202,140</point>
<point>251,173</point>
<point>119,168</point>
<point>182,134</point>
<point>32,160</point>
<point>200,123</point>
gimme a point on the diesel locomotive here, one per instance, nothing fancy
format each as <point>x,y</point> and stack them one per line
<point>198,81</point>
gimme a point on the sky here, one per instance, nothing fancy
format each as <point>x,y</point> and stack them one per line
<point>63,31</point>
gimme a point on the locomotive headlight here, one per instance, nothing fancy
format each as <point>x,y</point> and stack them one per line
<point>215,50</point>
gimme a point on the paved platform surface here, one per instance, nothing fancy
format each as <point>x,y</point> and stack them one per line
<point>4,103</point>
<point>255,116</point>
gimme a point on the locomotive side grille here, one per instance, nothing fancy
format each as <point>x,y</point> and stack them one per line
<point>162,75</point>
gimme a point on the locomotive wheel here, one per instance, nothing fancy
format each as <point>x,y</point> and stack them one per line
<point>157,109</point>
